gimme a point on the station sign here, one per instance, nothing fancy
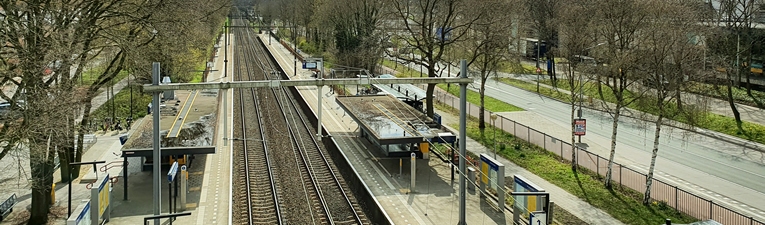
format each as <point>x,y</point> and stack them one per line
<point>172,172</point>
<point>309,65</point>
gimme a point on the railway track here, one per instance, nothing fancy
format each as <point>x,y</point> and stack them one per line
<point>255,187</point>
<point>309,191</point>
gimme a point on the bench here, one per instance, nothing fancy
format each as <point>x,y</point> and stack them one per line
<point>7,207</point>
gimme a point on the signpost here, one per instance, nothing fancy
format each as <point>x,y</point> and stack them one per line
<point>170,178</point>
<point>183,178</point>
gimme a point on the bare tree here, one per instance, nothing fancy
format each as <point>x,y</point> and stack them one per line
<point>619,27</point>
<point>544,15</point>
<point>354,26</point>
<point>430,26</point>
<point>486,44</point>
<point>576,39</point>
<point>669,61</point>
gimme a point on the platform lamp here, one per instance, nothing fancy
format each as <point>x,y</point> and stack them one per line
<point>94,163</point>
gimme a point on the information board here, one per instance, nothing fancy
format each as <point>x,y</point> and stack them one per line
<point>580,127</point>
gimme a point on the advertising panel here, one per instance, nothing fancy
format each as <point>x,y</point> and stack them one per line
<point>580,127</point>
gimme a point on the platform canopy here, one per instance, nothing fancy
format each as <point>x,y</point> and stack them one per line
<point>387,119</point>
<point>168,151</point>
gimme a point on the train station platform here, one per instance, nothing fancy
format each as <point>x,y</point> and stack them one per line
<point>434,199</point>
<point>208,172</point>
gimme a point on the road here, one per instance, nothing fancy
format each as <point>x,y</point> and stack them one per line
<point>715,169</point>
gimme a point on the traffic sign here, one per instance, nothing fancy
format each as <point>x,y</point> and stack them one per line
<point>183,168</point>
<point>539,70</point>
<point>414,156</point>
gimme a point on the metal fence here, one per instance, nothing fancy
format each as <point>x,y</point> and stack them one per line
<point>684,201</point>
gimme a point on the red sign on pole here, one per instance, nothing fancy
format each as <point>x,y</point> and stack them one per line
<point>539,70</point>
<point>580,127</point>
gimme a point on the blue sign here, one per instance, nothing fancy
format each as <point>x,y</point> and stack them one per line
<point>446,36</point>
<point>309,65</point>
<point>437,118</point>
<point>84,216</point>
<point>172,172</point>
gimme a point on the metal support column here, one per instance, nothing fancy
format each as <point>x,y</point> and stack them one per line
<point>318,122</point>
<point>463,141</point>
<point>156,143</point>
<point>225,116</point>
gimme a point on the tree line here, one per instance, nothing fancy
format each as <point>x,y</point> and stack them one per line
<point>641,51</point>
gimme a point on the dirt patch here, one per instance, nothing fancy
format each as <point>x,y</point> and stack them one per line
<point>198,129</point>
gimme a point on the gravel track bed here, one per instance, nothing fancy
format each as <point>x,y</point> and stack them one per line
<point>261,208</point>
<point>298,162</point>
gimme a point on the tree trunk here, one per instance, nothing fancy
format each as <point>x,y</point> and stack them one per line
<point>732,104</point>
<point>573,111</point>
<point>42,179</point>
<point>80,137</point>
<point>649,179</point>
<point>481,116</point>
<point>573,136</point>
<point>429,99</point>
<point>614,127</point>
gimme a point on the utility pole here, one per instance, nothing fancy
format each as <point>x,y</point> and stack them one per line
<point>463,141</point>
<point>157,154</point>
<point>225,48</point>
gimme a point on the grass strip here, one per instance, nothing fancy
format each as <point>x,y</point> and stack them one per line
<point>706,120</point>
<point>122,104</point>
<point>490,103</point>
<point>620,202</point>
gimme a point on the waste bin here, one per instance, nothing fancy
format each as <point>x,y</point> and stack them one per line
<point>471,178</point>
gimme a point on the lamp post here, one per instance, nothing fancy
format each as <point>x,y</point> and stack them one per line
<point>494,126</point>
<point>581,87</point>
<point>94,163</point>
<point>225,50</point>
<point>131,98</point>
